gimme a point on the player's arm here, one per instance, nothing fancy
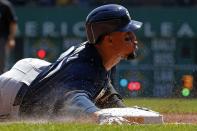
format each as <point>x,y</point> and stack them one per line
<point>110,99</point>
<point>12,18</point>
<point>11,37</point>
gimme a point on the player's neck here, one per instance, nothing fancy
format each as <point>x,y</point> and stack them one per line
<point>109,58</point>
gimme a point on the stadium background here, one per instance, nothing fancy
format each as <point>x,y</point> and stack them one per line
<point>167,58</point>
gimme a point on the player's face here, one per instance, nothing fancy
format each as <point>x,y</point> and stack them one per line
<point>124,43</point>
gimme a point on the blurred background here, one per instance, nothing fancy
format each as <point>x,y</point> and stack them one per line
<point>167,62</point>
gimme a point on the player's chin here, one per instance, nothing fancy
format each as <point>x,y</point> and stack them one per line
<point>131,56</point>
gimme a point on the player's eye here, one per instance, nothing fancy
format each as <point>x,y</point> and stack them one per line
<point>128,39</point>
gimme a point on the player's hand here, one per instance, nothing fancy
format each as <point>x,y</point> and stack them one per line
<point>11,43</point>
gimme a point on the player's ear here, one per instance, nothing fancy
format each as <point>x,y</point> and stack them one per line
<point>108,38</point>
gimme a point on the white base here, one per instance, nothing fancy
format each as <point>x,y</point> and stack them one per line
<point>135,114</point>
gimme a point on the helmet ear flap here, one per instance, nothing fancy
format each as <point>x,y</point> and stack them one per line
<point>96,29</point>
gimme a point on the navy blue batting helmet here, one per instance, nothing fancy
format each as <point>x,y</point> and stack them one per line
<point>109,18</point>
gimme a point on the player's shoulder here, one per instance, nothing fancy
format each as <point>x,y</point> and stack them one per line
<point>84,61</point>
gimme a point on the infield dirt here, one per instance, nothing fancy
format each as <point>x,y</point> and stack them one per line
<point>180,118</point>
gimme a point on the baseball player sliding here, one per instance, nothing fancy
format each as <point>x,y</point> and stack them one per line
<point>78,83</point>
